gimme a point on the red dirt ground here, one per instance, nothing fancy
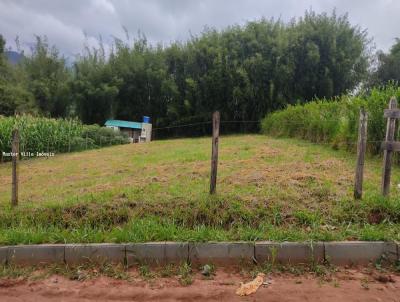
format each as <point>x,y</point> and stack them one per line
<point>345,286</point>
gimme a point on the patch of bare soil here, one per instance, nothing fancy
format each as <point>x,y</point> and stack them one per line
<point>352,285</point>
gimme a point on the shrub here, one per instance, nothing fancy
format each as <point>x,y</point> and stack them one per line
<point>101,136</point>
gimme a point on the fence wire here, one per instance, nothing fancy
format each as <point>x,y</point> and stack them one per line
<point>79,144</point>
<point>103,141</point>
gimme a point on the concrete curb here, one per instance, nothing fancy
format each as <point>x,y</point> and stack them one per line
<point>356,252</point>
<point>94,253</point>
<point>338,253</point>
<point>221,252</point>
<point>3,255</point>
<point>147,253</point>
<point>289,252</point>
<point>36,254</point>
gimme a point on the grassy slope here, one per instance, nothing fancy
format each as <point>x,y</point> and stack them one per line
<point>279,189</point>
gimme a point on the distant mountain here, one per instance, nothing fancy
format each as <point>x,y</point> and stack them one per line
<point>13,56</point>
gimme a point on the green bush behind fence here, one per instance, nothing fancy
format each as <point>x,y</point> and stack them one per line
<point>334,121</point>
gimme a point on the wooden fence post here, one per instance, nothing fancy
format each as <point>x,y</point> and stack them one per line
<point>15,155</point>
<point>361,148</point>
<point>214,154</point>
<point>387,154</point>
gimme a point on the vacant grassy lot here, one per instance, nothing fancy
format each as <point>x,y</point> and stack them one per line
<point>277,189</point>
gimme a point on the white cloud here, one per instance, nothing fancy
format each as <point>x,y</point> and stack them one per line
<point>104,6</point>
<point>66,22</point>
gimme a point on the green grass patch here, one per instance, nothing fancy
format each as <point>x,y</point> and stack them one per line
<point>159,191</point>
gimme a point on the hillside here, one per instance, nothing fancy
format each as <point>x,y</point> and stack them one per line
<point>280,189</point>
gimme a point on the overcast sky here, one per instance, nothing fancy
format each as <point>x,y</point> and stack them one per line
<point>67,22</point>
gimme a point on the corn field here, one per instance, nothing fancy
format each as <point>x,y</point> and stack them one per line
<point>38,134</point>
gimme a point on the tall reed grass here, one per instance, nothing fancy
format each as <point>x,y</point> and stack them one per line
<point>334,121</point>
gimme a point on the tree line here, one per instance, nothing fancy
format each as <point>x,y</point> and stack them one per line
<point>243,71</point>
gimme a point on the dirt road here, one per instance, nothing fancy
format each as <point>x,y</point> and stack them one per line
<point>352,285</point>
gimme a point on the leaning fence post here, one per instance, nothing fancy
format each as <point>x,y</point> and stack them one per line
<point>361,148</point>
<point>387,154</point>
<point>214,152</point>
<point>15,155</point>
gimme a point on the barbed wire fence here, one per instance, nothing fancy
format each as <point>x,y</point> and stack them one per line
<point>99,141</point>
<point>103,141</point>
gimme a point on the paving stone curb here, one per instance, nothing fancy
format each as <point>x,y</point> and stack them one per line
<point>338,253</point>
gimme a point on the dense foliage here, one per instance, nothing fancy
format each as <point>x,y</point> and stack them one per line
<point>38,134</point>
<point>334,121</point>
<point>243,71</point>
<point>388,66</point>
<point>14,95</point>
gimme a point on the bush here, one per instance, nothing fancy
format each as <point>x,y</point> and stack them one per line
<point>101,136</point>
<point>334,121</point>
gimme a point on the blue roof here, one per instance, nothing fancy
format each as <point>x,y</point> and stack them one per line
<point>123,124</point>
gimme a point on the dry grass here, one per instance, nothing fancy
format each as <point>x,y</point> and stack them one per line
<point>253,167</point>
<point>263,183</point>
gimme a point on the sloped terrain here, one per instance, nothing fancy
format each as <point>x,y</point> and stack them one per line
<point>281,189</point>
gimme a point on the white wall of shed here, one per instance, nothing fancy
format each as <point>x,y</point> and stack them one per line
<point>146,131</point>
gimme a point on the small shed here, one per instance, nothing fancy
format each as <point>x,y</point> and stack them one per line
<point>137,132</point>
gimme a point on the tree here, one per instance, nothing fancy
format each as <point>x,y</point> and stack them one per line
<point>388,66</point>
<point>2,44</point>
<point>244,72</point>
<point>331,56</point>
<point>3,67</point>
<point>94,87</point>
<point>48,79</point>
<point>14,97</point>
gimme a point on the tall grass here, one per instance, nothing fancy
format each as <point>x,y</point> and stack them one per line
<point>334,121</point>
<point>39,134</point>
